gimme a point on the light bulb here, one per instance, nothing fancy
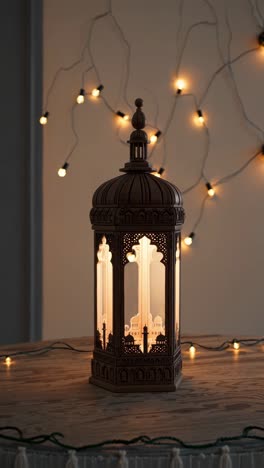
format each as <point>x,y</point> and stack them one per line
<point>63,170</point>
<point>44,118</point>
<point>153,139</point>
<point>189,239</point>
<point>236,344</point>
<point>122,115</point>
<point>96,91</point>
<point>80,97</point>
<point>180,85</point>
<point>131,257</point>
<point>155,136</point>
<point>200,116</point>
<point>8,361</point>
<point>192,350</point>
<point>159,172</point>
<point>210,189</point>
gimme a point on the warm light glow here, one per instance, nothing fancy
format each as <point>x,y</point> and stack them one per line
<point>62,172</point>
<point>156,174</point>
<point>146,311</point>
<point>126,117</point>
<point>201,118</point>
<point>188,240</point>
<point>153,139</point>
<point>211,192</point>
<point>43,120</point>
<point>80,99</point>
<point>96,92</point>
<point>8,361</point>
<point>131,257</point>
<point>180,84</point>
<point>236,345</point>
<point>192,350</point>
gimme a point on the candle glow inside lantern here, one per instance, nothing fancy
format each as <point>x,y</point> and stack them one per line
<point>137,219</point>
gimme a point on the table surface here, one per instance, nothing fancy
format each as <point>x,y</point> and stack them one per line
<point>221,392</point>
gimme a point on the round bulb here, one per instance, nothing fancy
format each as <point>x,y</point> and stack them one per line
<point>236,345</point>
<point>8,360</point>
<point>201,119</point>
<point>126,117</point>
<point>80,99</point>
<point>211,192</point>
<point>192,349</point>
<point>95,92</point>
<point>153,138</point>
<point>43,120</point>
<point>131,257</point>
<point>188,240</point>
<point>62,172</point>
<point>180,84</point>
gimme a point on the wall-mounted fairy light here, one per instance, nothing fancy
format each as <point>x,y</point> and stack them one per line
<point>155,136</point>
<point>44,118</point>
<point>179,84</point>
<point>80,97</point>
<point>97,91</point>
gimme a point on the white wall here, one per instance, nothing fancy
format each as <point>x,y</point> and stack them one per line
<point>222,275</point>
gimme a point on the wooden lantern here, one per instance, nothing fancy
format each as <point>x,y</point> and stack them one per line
<point>137,219</point>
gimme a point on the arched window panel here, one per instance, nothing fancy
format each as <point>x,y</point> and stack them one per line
<point>144,296</point>
<point>104,271</point>
<point>177,290</point>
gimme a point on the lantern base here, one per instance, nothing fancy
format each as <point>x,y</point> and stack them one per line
<point>136,373</point>
<point>137,388</point>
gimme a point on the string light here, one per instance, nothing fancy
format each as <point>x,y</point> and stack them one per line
<point>189,239</point>
<point>96,91</point>
<point>180,85</point>
<point>155,136</point>
<point>8,361</point>
<point>80,97</point>
<point>63,170</point>
<point>236,344</point>
<point>210,190</point>
<point>159,172</point>
<point>122,115</point>
<point>44,118</point>
<point>200,116</point>
<point>192,350</point>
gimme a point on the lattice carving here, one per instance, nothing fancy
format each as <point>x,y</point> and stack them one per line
<point>160,239</point>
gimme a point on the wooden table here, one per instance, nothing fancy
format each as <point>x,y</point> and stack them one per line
<point>221,392</point>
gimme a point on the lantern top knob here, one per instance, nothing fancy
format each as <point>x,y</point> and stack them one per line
<point>138,119</point>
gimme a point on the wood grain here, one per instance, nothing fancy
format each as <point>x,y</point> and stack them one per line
<point>221,392</point>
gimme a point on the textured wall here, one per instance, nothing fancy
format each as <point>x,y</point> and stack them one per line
<point>222,288</point>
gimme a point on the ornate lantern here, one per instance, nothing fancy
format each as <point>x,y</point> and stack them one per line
<point>137,218</point>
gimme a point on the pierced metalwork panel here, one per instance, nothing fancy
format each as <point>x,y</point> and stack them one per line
<point>159,239</point>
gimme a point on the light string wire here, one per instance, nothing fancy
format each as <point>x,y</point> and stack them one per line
<point>55,438</point>
<point>226,64</point>
<point>64,346</point>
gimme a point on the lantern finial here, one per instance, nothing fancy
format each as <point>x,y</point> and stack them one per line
<point>138,119</point>
<point>138,143</point>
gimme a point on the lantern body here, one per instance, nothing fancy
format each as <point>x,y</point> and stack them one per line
<point>137,219</point>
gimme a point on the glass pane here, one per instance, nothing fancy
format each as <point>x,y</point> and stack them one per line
<point>104,292</point>
<point>144,294</point>
<point>177,291</point>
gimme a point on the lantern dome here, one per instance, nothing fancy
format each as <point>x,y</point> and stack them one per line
<point>137,189</point>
